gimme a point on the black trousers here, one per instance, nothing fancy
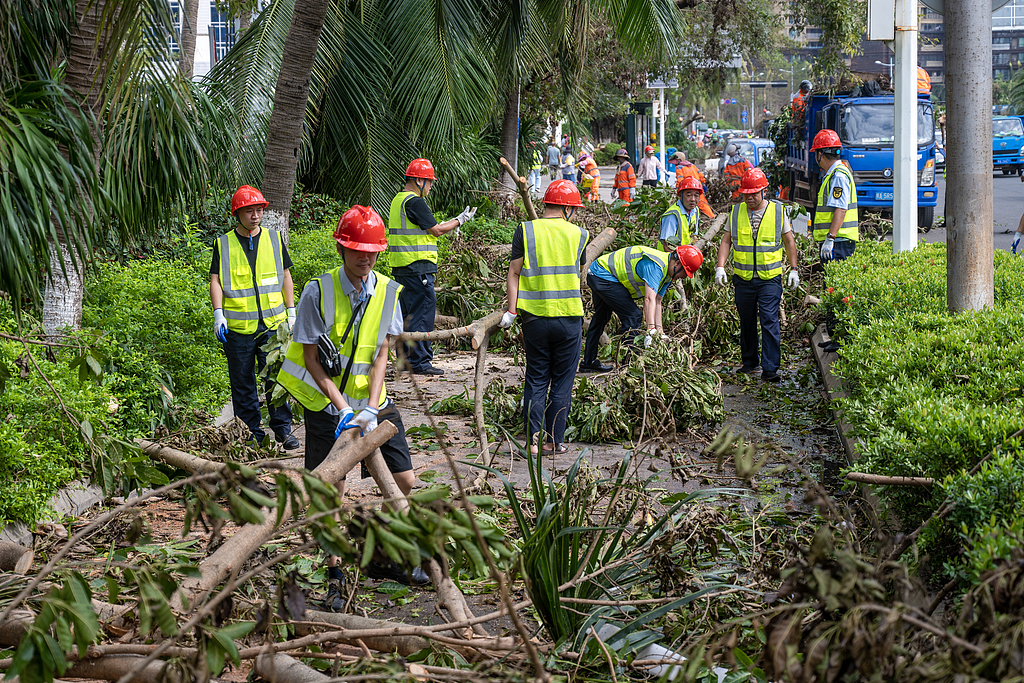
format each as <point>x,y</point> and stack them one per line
<point>610,297</point>
<point>552,354</point>
<point>320,426</point>
<point>419,305</point>
<point>758,299</point>
<point>245,358</point>
<point>651,183</point>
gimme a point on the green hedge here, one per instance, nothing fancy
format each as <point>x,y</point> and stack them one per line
<point>932,394</point>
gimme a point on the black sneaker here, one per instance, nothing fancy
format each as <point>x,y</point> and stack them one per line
<point>427,370</point>
<point>770,376</point>
<point>829,346</point>
<point>335,600</point>
<point>393,572</point>
<point>747,369</point>
<point>595,366</point>
<point>288,441</point>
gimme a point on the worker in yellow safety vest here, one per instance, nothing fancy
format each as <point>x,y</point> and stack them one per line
<point>679,225</point>
<point>836,222</point>
<point>758,229</point>
<point>543,287</point>
<point>336,361</point>
<point>412,254</point>
<point>252,294</point>
<point>618,278</point>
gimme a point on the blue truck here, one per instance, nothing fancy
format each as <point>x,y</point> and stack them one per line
<point>1007,144</point>
<point>866,125</point>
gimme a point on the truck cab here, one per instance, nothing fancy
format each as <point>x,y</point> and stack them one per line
<point>866,126</point>
<point>1007,144</point>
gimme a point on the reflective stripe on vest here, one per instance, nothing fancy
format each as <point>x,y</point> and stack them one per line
<point>241,292</point>
<point>682,235</point>
<point>336,309</point>
<point>764,257</point>
<point>407,242</point>
<point>622,264</point>
<point>551,290</point>
<point>823,213</point>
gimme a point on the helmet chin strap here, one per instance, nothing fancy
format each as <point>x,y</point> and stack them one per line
<point>420,185</point>
<point>568,212</point>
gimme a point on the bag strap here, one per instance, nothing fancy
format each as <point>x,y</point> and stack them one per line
<point>351,356</point>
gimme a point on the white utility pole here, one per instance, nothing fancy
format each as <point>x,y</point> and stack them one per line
<point>904,205</point>
<point>661,130</point>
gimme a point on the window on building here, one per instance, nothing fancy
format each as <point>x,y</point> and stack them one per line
<point>1003,58</point>
<point>1001,40</point>
<point>222,31</point>
<point>1001,73</point>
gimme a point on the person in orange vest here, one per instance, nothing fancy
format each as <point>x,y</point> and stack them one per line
<point>591,181</point>
<point>686,169</point>
<point>625,177</point>
<point>735,167</point>
<point>924,83</point>
<point>800,102</point>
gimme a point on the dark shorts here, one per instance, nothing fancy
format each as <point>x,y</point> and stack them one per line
<point>320,426</point>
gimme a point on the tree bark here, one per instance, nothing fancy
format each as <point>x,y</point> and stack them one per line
<point>404,645</point>
<point>187,44</point>
<point>15,558</point>
<point>113,667</point>
<point>280,668</point>
<point>284,133</point>
<point>596,247</point>
<point>244,20</point>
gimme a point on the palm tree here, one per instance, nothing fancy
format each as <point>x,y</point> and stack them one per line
<point>119,138</point>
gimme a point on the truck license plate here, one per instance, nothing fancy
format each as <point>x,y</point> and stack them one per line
<point>883,196</point>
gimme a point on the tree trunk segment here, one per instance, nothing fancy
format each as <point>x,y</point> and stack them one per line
<point>280,668</point>
<point>716,225</point>
<point>524,189</point>
<point>15,558</point>
<point>189,24</point>
<point>113,667</point>
<point>291,97</point>
<point>404,645</point>
<point>344,455</point>
<point>883,480</point>
<point>597,246</point>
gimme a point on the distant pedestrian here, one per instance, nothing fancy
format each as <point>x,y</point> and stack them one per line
<point>625,177</point>
<point>650,167</point>
<point>554,154</point>
<point>533,182</point>
<point>567,165</point>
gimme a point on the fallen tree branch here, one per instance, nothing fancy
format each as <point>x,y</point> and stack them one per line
<point>524,189</point>
<point>479,389</point>
<point>123,668</point>
<point>404,645</point>
<point>883,480</point>
<point>716,225</point>
<point>597,246</point>
<point>476,331</point>
<point>278,668</point>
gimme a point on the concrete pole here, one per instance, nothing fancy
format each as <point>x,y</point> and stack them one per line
<point>661,130</point>
<point>904,207</point>
<point>969,270</point>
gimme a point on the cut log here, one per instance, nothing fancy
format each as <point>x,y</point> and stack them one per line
<point>280,668</point>
<point>445,320</point>
<point>883,480</point>
<point>403,645</point>
<point>14,627</point>
<point>346,453</point>
<point>597,246</point>
<point>113,667</point>
<point>15,558</point>
<point>524,189</point>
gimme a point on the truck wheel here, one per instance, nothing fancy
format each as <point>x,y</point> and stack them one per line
<point>1006,171</point>
<point>925,217</point>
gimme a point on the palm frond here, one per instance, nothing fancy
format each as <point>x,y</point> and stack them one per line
<point>647,28</point>
<point>519,38</point>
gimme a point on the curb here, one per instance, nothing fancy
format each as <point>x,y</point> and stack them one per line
<point>72,500</point>
<point>834,389</point>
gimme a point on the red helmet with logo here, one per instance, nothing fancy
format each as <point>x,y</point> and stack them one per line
<point>647,149</point>
<point>420,168</point>
<point>826,138</point>
<point>361,229</point>
<point>562,193</point>
<point>690,257</point>
<point>690,183</point>
<point>754,180</point>
<point>247,196</point>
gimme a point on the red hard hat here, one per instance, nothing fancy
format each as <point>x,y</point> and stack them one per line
<point>690,257</point>
<point>826,139</point>
<point>361,229</point>
<point>690,183</point>
<point>563,193</point>
<point>647,149</point>
<point>753,180</point>
<point>420,168</point>
<point>247,196</point>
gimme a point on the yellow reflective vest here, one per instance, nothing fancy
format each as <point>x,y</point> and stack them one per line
<point>549,283</point>
<point>407,242</point>
<point>823,213</point>
<point>683,231</point>
<point>240,289</point>
<point>622,264</point>
<point>764,256</point>
<point>364,342</point>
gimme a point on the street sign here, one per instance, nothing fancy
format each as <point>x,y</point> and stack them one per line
<point>655,83</point>
<point>656,109</point>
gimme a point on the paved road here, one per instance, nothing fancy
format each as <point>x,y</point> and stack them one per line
<point>1007,205</point>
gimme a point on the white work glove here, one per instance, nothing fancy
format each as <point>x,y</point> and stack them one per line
<point>794,279</point>
<point>1016,240</point>
<point>632,193</point>
<point>466,215</point>
<point>291,318</point>
<point>220,325</point>
<point>826,248</point>
<point>720,276</point>
<point>651,336</point>
<point>507,319</point>
<point>366,420</point>
<point>343,423</point>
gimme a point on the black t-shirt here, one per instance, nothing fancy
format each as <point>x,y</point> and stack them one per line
<point>417,211</point>
<point>286,260</point>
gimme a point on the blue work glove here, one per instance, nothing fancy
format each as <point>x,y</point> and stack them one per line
<point>1016,241</point>
<point>366,420</point>
<point>826,248</point>
<point>343,423</point>
<point>220,323</point>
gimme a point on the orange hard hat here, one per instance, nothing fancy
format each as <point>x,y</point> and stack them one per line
<point>361,229</point>
<point>647,149</point>
<point>826,139</point>
<point>690,183</point>
<point>247,196</point>
<point>420,168</point>
<point>690,257</point>
<point>563,193</point>
<point>754,180</point>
